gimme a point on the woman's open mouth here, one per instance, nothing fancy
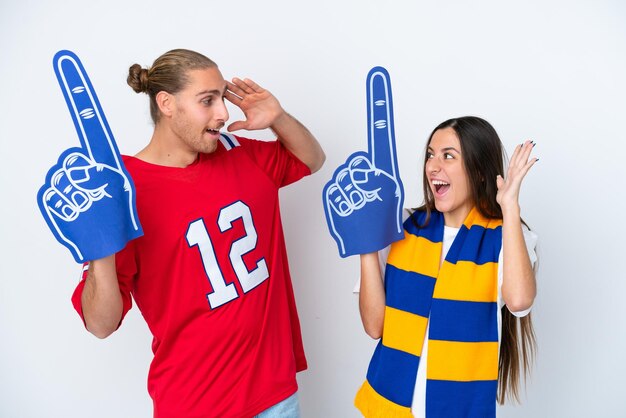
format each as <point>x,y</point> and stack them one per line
<point>441,187</point>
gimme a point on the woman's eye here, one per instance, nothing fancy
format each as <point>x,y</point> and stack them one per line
<point>448,156</point>
<point>206,102</point>
<point>429,155</point>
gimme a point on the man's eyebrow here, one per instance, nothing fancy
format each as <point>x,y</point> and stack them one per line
<point>214,91</point>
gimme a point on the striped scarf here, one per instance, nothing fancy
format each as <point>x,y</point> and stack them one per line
<point>459,299</point>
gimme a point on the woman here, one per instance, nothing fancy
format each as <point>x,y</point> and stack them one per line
<point>454,287</point>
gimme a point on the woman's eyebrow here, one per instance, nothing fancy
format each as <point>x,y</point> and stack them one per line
<point>446,149</point>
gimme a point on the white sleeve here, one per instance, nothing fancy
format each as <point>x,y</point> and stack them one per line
<point>531,243</point>
<point>382,256</point>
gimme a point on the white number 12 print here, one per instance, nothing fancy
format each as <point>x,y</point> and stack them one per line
<point>197,235</point>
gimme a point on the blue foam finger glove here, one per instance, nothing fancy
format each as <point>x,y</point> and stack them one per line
<point>88,199</point>
<point>363,201</point>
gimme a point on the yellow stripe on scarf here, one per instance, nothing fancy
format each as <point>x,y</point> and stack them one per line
<point>474,218</point>
<point>467,281</point>
<point>402,255</point>
<point>461,361</point>
<point>397,337</point>
<point>372,405</point>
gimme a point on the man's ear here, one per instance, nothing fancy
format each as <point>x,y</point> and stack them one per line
<point>166,103</point>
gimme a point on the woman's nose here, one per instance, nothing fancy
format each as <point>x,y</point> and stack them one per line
<point>432,166</point>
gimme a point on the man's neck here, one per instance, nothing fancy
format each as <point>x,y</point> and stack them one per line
<point>165,149</point>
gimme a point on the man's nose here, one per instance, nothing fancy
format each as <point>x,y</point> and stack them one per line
<point>222,112</point>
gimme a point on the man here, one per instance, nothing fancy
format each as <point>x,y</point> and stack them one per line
<point>210,273</point>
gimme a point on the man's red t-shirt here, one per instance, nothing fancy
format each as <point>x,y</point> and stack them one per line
<point>210,277</point>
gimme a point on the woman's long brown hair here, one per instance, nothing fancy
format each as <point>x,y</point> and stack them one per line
<point>483,157</point>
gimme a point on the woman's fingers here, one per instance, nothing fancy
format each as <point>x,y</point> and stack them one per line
<point>521,162</point>
<point>520,157</point>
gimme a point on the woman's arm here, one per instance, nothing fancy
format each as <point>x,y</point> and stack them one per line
<point>518,283</point>
<point>372,296</point>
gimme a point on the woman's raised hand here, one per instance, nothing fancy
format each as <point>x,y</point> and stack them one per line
<point>509,187</point>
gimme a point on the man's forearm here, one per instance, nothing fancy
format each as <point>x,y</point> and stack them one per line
<point>101,299</point>
<point>299,141</point>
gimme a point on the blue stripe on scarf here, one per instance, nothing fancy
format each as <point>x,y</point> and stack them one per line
<point>434,231</point>
<point>397,381</point>
<point>408,291</point>
<point>450,399</point>
<point>464,321</point>
<point>473,249</point>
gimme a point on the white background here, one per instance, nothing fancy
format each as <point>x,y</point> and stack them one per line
<point>551,71</point>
